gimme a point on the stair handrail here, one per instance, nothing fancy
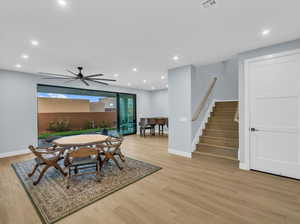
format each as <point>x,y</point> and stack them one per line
<point>203,102</point>
<point>236,116</point>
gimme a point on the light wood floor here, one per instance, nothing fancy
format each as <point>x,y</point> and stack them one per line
<point>199,190</point>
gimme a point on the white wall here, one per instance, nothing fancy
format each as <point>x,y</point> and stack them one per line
<point>18,108</point>
<point>159,103</point>
<point>292,45</point>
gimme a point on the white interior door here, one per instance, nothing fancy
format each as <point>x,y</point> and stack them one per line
<point>274,89</point>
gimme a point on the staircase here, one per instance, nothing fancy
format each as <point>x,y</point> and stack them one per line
<point>220,136</point>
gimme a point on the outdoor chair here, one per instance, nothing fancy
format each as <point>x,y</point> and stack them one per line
<point>47,157</point>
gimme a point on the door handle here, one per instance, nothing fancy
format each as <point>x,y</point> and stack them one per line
<point>253,129</point>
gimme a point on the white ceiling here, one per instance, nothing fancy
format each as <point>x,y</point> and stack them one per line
<point>114,36</point>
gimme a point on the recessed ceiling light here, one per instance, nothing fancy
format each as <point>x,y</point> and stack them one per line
<point>176,58</point>
<point>25,56</point>
<point>266,32</point>
<point>167,86</point>
<point>116,75</point>
<point>144,81</point>
<point>129,84</point>
<point>163,77</point>
<point>135,69</point>
<point>18,66</point>
<point>34,42</point>
<point>62,3</point>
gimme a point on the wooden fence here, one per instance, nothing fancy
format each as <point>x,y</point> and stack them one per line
<point>77,121</point>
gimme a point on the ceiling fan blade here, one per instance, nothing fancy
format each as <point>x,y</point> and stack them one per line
<point>108,80</point>
<point>89,76</point>
<point>55,78</point>
<point>103,83</point>
<point>73,73</point>
<point>71,80</point>
<point>53,74</point>
<point>85,82</point>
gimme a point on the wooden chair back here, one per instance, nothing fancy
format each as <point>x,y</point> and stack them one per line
<point>39,153</point>
<point>151,121</point>
<point>161,121</point>
<point>83,152</point>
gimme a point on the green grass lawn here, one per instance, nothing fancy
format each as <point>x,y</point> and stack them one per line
<point>68,133</point>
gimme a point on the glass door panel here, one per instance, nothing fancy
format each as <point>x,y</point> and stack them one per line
<point>126,113</point>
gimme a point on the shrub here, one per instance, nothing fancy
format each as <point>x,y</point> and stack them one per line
<point>60,125</point>
<point>104,125</point>
<point>89,125</point>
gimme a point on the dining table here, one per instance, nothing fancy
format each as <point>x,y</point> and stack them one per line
<point>77,141</point>
<point>80,140</point>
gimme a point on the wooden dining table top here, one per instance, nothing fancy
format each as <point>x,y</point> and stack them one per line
<point>80,140</point>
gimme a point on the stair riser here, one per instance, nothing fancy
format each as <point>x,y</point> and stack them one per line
<point>222,142</point>
<point>218,151</point>
<point>222,119</point>
<point>217,133</point>
<point>223,114</point>
<point>226,104</point>
<point>223,124</point>
<point>225,109</point>
<point>221,128</point>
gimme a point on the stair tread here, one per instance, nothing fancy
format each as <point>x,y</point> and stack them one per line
<point>219,138</point>
<point>217,146</point>
<point>215,155</point>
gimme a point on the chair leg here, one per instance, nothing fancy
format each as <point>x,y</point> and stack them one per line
<point>98,172</point>
<point>116,162</point>
<point>122,157</point>
<point>41,175</point>
<point>33,171</point>
<point>60,169</point>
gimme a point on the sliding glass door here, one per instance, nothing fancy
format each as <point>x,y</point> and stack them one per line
<point>126,113</point>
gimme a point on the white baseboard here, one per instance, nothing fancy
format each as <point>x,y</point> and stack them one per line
<point>14,153</point>
<point>244,166</point>
<point>180,153</point>
<point>202,126</point>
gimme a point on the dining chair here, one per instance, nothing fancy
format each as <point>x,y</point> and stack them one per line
<point>47,157</point>
<point>144,125</point>
<point>110,149</point>
<point>161,124</point>
<point>80,159</point>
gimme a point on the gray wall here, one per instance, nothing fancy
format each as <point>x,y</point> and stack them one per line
<point>252,54</point>
<point>18,107</point>
<point>180,109</point>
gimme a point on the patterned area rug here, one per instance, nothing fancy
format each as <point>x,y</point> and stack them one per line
<point>54,201</point>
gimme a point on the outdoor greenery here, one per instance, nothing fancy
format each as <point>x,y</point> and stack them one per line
<point>68,133</point>
<point>104,125</point>
<point>89,124</point>
<point>58,126</point>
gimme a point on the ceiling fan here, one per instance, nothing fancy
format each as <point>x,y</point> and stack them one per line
<point>79,76</point>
